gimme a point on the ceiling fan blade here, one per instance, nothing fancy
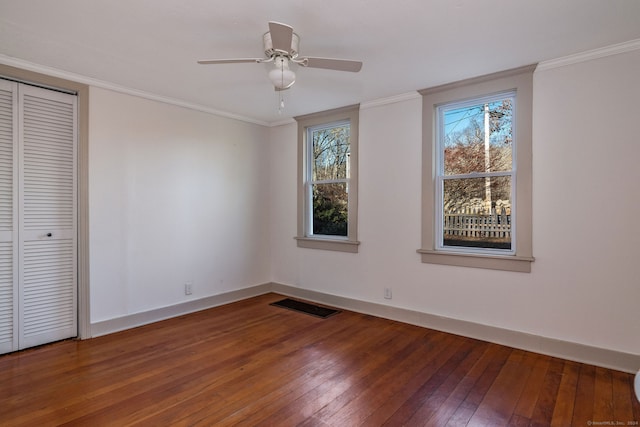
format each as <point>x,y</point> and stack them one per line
<point>229,61</point>
<point>281,36</point>
<point>332,64</point>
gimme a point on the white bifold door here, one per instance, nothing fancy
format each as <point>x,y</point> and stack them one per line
<point>38,231</point>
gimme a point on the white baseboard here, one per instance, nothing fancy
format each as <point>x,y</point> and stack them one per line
<point>606,358</point>
<point>138,319</point>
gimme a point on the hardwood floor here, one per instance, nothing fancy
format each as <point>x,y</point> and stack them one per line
<point>249,363</point>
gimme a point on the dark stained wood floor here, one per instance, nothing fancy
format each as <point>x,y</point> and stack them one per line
<point>249,363</point>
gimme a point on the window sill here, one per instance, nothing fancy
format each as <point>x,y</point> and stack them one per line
<point>493,262</point>
<point>328,244</point>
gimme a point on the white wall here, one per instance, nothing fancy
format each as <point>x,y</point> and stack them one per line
<point>585,283</point>
<point>178,195</point>
<point>175,195</point>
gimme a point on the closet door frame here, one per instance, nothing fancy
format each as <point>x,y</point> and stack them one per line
<point>12,235</point>
<point>82,92</point>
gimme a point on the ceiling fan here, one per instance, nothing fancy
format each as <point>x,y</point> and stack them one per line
<point>281,48</point>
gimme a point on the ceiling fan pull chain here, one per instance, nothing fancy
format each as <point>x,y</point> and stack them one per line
<point>280,102</point>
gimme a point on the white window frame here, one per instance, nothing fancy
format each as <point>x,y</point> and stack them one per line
<point>306,124</point>
<point>520,81</point>
<point>309,182</point>
<point>441,177</point>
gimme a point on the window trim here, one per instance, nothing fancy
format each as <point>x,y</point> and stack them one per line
<point>519,80</point>
<point>349,243</point>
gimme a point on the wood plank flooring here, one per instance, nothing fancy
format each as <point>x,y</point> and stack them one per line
<point>250,363</point>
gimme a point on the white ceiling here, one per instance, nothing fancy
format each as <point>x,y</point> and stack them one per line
<point>405,45</point>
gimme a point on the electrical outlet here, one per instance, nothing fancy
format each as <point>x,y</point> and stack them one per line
<point>188,288</point>
<point>387,293</point>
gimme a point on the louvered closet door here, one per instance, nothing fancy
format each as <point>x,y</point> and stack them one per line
<point>8,216</point>
<point>47,193</point>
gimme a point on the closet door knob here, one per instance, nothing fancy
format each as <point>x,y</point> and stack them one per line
<point>49,234</point>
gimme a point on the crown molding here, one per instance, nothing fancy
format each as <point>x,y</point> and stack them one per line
<point>390,100</point>
<point>283,122</point>
<point>363,106</point>
<point>616,49</point>
<point>589,55</point>
<point>54,72</point>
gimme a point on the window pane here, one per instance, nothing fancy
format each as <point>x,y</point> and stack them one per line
<point>330,209</point>
<point>330,153</point>
<point>477,212</point>
<point>465,132</point>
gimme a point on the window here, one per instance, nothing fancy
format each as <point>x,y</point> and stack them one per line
<point>477,172</point>
<point>327,187</point>
<point>327,179</point>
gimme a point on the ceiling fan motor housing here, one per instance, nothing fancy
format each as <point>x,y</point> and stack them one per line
<point>270,52</point>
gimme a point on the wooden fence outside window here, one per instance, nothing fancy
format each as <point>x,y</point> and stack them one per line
<point>477,225</point>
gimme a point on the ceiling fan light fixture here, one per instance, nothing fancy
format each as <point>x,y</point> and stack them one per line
<point>281,48</point>
<point>281,75</point>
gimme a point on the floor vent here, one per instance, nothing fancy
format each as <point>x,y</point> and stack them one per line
<point>305,307</point>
